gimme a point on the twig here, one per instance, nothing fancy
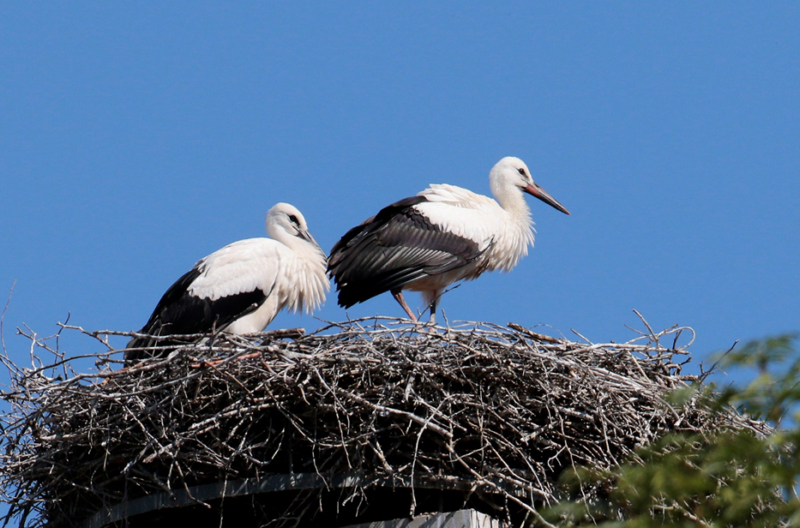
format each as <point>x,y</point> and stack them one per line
<point>497,411</point>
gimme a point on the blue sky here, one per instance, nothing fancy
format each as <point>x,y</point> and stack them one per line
<point>137,138</point>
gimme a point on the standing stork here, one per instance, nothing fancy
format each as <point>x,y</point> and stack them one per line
<point>442,235</point>
<point>242,287</point>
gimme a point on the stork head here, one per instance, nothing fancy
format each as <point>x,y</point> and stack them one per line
<point>287,224</point>
<point>511,172</point>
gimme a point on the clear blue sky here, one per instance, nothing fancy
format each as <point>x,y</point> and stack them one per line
<point>136,138</point>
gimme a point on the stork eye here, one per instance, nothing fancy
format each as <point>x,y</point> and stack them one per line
<point>294,220</point>
<point>521,171</point>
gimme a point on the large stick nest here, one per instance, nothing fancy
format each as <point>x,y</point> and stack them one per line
<point>494,413</point>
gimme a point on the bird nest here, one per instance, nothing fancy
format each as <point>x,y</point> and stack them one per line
<point>478,415</point>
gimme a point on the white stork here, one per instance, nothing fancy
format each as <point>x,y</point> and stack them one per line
<point>243,286</point>
<point>442,235</point>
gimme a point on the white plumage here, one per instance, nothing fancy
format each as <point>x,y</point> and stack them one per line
<point>442,235</point>
<point>242,287</point>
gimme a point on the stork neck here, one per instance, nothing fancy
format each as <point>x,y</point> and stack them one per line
<point>312,251</point>
<point>296,244</point>
<point>278,232</point>
<point>516,234</point>
<point>511,199</point>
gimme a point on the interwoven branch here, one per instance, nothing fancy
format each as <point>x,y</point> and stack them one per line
<point>501,411</point>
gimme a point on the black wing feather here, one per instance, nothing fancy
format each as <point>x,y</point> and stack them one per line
<point>181,313</point>
<point>395,247</point>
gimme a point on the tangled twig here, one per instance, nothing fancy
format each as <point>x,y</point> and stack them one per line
<point>497,412</point>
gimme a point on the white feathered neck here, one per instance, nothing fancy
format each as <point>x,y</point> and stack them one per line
<point>304,264</point>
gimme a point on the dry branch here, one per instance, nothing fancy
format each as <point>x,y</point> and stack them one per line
<point>496,412</point>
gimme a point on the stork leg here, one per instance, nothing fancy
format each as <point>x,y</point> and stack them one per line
<point>434,302</point>
<point>431,297</point>
<point>398,296</point>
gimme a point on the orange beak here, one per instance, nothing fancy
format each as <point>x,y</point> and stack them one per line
<point>534,190</point>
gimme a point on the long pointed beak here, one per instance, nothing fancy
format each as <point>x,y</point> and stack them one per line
<point>534,190</point>
<point>305,235</point>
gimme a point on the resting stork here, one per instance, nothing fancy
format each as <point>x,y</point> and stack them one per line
<point>442,235</point>
<point>243,286</point>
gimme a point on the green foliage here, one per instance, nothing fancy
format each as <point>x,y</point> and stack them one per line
<point>733,477</point>
<point>775,391</point>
